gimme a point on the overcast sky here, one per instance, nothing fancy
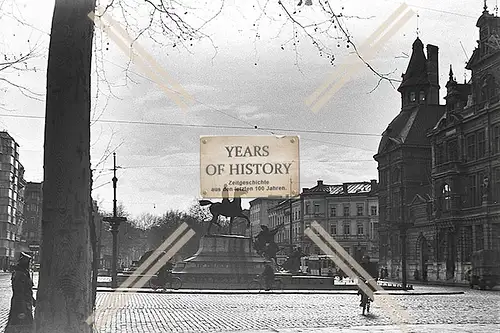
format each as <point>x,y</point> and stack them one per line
<point>236,80</point>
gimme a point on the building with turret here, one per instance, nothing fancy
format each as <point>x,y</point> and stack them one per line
<point>439,165</point>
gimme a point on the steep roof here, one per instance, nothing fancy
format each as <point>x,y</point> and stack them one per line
<point>352,188</point>
<point>410,127</point>
<point>416,73</point>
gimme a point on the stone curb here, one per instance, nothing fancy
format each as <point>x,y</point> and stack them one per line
<point>286,292</point>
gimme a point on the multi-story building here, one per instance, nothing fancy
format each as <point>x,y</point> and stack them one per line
<point>12,186</point>
<point>348,212</point>
<point>466,163</point>
<point>280,214</point>
<point>32,230</point>
<point>259,213</point>
<point>404,154</point>
<point>439,165</point>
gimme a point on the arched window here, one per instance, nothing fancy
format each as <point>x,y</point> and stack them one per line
<point>421,96</point>
<point>446,197</point>
<point>413,96</point>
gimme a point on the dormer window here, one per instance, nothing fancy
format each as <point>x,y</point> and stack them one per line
<point>413,96</point>
<point>421,97</point>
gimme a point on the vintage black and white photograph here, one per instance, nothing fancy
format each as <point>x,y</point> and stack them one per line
<point>249,166</point>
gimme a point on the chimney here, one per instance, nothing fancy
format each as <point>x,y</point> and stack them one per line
<point>344,185</point>
<point>433,74</point>
<point>373,185</point>
<point>320,183</point>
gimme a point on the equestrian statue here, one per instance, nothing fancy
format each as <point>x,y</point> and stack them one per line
<point>227,208</point>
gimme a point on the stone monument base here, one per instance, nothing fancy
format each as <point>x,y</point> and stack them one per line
<point>222,262</point>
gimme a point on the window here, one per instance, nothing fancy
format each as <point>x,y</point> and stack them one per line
<point>333,229</point>
<point>359,209</point>
<point>452,151</point>
<point>481,144</point>
<point>347,228</point>
<point>472,191</point>
<point>361,229</point>
<point>439,154</point>
<point>496,185</point>
<point>446,197</point>
<point>496,139</point>
<point>307,209</point>
<point>471,147</point>
<point>316,208</point>
<point>421,96</point>
<point>373,210</point>
<point>413,97</point>
<point>346,210</point>
<point>333,211</point>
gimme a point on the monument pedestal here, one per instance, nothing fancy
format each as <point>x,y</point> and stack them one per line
<point>222,262</point>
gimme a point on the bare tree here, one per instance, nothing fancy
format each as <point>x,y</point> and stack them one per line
<point>13,63</point>
<point>65,276</point>
<point>326,25</point>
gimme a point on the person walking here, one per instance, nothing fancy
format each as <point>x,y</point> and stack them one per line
<point>22,302</point>
<point>268,276</point>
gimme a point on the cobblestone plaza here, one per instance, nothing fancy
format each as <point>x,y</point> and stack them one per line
<point>428,309</point>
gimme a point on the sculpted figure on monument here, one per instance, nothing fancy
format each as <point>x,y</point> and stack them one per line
<point>227,208</point>
<point>264,242</point>
<point>292,263</point>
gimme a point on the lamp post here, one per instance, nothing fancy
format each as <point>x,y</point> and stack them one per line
<point>114,223</point>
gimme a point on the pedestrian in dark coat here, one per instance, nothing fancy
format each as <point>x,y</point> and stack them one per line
<point>268,276</point>
<point>21,305</point>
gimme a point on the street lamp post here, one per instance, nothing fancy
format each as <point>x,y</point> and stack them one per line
<point>114,223</point>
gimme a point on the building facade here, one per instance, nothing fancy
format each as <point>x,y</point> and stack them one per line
<point>466,162</point>
<point>32,230</point>
<point>259,214</point>
<point>348,212</point>
<point>12,186</point>
<point>440,182</point>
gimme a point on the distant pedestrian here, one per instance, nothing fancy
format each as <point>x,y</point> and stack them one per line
<point>268,276</point>
<point>386,273</point>
<point>21,305</point>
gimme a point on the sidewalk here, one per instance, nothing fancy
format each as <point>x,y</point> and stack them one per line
<point>438,328</point>
<point>425,291</point>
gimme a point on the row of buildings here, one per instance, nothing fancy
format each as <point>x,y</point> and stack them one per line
<point>21,211</point>
<point>20,205</point>
<point>438,196</point>
<point>348,212</point>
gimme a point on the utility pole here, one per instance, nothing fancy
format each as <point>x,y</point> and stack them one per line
<point>114,222</point>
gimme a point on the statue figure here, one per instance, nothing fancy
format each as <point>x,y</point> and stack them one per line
<point>264,242</point>
<point>227,208</point>
<point>292,263</point>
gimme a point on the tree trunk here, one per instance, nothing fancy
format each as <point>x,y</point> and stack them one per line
<point>64,295</point>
